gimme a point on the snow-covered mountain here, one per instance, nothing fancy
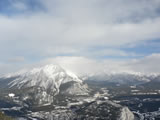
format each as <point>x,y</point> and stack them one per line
<point>48,77</point>
<point>51,91</point>
<point>45,82</point>
<point>122,77</point>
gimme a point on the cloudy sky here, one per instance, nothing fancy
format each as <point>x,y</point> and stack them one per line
<point>82,35</point>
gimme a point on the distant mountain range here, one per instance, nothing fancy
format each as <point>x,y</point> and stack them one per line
<point>53,78</point>
<point>52,72</point>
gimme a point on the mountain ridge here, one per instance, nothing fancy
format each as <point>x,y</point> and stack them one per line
<point>43,83</point>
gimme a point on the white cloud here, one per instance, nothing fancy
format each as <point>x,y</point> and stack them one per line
<point>17,59</point>
<point>74,27</point>
<point>82,65</point>
<point>148,64</point>
<point>102,11</point>
<point>40,34</point>
<point>9,68</point>
<point>79,65</point>
<point>19,5</point>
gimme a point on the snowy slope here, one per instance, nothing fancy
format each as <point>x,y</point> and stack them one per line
<point>121,78</point>
<point>49,77</point>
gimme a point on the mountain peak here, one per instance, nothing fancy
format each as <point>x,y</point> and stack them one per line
<point>53,68</point>
<point>48,77</point>
<point>47,69</point>
<point>43,83</point>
